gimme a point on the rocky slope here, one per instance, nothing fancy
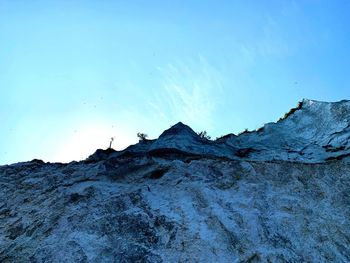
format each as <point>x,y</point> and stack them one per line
<point>312,132</point>
<point>280,194</point>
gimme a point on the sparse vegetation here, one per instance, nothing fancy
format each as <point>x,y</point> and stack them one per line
<point>142,136</point>
<point>204,135</point>
<point>298,107</point>
<point>110,143</point>
<point>243,132</point>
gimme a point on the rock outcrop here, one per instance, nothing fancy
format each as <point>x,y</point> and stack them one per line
<point>279,194</point>
<point>312,132</point>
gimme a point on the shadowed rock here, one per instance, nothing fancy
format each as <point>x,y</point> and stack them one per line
<point>280,194</point>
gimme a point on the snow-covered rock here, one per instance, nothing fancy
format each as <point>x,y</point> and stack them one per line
<point>280,194</point>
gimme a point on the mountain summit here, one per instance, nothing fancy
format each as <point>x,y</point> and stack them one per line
<point>278,194</point>
<point>313,132</point>
<point>179,129</point>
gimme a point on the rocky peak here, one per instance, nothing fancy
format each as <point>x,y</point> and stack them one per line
<point>175,199</point>
<point>313,131</point>
<point>179,129</point>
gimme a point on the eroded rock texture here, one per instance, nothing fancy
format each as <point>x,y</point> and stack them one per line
<point>194,210</point>
<point>181,198</point>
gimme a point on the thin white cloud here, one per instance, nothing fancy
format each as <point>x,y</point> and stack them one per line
<point>190,91</point>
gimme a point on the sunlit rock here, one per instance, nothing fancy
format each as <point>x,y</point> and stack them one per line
<point>279,194</point>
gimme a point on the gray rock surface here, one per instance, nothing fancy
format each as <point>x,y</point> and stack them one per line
<point>280,194</point>
<point>313,132</point>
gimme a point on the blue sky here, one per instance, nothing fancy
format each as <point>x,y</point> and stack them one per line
<point>75,73</point>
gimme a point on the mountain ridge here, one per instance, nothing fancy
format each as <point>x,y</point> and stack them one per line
<point>267,196</point>
<point>312,132</point>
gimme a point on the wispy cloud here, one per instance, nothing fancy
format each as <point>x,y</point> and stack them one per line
<point>190,91</point>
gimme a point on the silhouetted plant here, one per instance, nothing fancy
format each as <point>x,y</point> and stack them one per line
<point>110,143</point>
<point>298,107</point>
<point>142,136</point>
<point>204,135</point>
<point>243,132</point>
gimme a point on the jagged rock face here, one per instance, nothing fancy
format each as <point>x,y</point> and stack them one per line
<point>313,132</point>
<point>148,209</point>
<point>183,139</point>
<point>182,198</point>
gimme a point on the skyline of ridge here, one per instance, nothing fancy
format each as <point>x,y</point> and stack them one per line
<point>75,73</point>
<point>326,120</point>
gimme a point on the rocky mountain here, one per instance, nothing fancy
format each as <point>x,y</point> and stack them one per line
<point>278,194</point>
<point>312,132</point>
